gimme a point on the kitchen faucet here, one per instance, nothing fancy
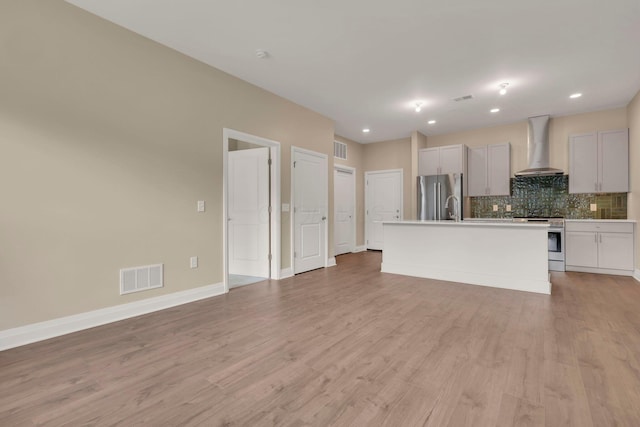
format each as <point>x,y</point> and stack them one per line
<point>455,207</point>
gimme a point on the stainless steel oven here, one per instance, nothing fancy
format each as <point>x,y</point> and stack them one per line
<point>555,240</point>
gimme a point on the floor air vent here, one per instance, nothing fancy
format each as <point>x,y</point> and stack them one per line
<point>137,279</point>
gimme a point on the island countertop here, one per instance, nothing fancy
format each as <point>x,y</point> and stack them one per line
<point>472,223</point>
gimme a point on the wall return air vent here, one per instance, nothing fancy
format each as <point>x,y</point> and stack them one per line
<point>340,150</point>
<point>136,279</point>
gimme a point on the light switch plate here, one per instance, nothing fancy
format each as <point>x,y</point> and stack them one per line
<point>508,208</point>
<point>593,207</point>
<point>285,207</point>
<point>495,208</point>
<point>200,205</point>
<point>193,262</point>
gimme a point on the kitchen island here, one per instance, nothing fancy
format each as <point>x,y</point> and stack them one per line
<point>497,254</point>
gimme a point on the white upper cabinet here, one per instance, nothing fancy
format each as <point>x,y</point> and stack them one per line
<point>614,161</point>
<point>441,160</point>
<point>489,170</point>
<point>599,162</point>
<point>429,161</point>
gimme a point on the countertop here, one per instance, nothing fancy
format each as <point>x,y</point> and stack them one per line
<point>601,220</point>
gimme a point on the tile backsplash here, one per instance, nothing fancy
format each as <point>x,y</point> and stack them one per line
<point>548,196</point>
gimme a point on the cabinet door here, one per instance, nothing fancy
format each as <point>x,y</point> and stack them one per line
<point>583,163</point>
<point>614,161</point>
<point>499,169</point>
<point>477,171</point>
<point>451,159</point>
<point>581,248</point>
<point>428,161</point>
<point>615,250</point>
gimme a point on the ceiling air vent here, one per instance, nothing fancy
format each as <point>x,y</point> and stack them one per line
<point>463,98</point>
<point>340,150</point>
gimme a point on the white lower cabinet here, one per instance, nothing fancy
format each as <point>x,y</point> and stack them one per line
<point>600,247</point>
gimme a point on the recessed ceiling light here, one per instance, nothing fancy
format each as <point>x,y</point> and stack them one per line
<point>431,122</point>
<point>366,130</point>
<point>495,110</point>
<point>262,54</point>
<point>503,88</point>
<point>576,95</point>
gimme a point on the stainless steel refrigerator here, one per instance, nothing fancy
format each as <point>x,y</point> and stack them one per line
<point>440,197</point>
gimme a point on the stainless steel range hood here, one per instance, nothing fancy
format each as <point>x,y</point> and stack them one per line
<point>538,145</point>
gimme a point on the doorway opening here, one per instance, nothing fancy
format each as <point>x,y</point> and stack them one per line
<point>251,219</point>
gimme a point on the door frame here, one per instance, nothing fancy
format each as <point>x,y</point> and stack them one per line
<point>355,222</point>
<point>366,201</point>
<point>295,149</point>
<point>274,226</point>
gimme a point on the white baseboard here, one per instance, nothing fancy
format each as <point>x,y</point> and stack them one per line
<point>286,273</point>
<point>359,249</point>
<point>636,274</point>
<point>15,337</point>
<point>331,262</point>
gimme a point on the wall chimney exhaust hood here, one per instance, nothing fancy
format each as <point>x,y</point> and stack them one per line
<point>538,149</point>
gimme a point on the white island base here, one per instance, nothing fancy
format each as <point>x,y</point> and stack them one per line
<point>500,255</point>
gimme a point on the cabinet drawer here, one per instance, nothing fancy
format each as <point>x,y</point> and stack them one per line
<point>595,226</point>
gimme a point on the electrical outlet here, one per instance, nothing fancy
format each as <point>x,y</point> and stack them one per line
<point>285,207</point>
<point>495,208</point>
<point>508,208</point>
<point>200,206</point>
<point>193,262</point>
<point>593,207</point>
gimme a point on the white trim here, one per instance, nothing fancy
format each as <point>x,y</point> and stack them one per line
<point>10,338</point>
<point>352,171</point>
<point>295,149</point>
<point>361,248</point>
<point>636,274</point>
<point>331,262</point>
<point>274,147</point>
<point>285,273</point>
<point>343,168</point>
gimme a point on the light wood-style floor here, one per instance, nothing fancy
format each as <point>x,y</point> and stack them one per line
<point>347,346</point>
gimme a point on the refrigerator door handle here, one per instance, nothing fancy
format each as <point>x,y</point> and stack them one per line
<point>435,200</point>
<point>439,205</point>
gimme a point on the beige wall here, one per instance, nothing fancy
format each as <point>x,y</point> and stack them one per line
<point>559,130</point>
<point>107,141</point>
<point>355,159</point>
<point>633,118</point>
<point>395,154</point>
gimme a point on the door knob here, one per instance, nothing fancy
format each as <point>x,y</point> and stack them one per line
<point>324,218</point>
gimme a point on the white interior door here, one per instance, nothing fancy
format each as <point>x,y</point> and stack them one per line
<point>310,197</point>
<point>344,189</point>
<point>248,219</point>
<point>383,203</point>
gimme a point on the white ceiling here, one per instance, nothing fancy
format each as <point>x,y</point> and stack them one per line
<point>363,62</point>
